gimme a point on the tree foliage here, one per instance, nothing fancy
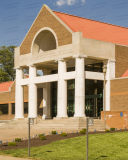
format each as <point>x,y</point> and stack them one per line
<point>7,72</point>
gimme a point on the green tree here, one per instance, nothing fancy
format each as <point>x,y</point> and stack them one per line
<point>7,72</point>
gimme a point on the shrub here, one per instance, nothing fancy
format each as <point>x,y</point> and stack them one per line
<point>42,138</point>
<point>107,130</point>
<point>63,134</point>
<point>11,144</point>
<point>84,129</point>
<point>112,129</point>
<point>40,135</point>
<point>53,132</point>
<point>82,132</point>
<point>17,139</point>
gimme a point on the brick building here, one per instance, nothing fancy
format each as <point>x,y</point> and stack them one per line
<point>7,101</point>
<point>71,51</point>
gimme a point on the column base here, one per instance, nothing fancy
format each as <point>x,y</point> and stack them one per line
<point>79,115</point>
<point>19,118</point>
<point>44,117</point>
<point>32,116</point>
<point>58,116</point>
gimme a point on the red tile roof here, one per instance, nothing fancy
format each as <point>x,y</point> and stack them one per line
<point>94,29</point>
<point>5,86</point>
<point>125,74</point>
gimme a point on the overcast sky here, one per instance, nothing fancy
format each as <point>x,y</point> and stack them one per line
<point>17,16</point>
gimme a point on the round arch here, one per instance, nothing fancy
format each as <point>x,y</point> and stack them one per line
<point>44,40</point>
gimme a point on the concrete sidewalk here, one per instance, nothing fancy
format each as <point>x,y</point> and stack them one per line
<point>11,134</point>
<point>11,158</point>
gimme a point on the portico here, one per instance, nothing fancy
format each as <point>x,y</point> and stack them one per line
<point>49,52</point>
<point>79,76</point>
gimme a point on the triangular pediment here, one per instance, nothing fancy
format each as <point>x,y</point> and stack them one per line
<point>46,18</point>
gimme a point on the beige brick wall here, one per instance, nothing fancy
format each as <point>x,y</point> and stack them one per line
<point>119,87</point>
<point>119,94</point>
<point>9,97</point>
<point>113,119</point>
<point>121,56</point>
<point>9,109</point>
<point>46,19</point>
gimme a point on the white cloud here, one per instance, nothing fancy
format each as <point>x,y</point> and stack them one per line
<point>60,2</point>
<point>83,1</point>
<point>71,2</point>
<point>68,2</point>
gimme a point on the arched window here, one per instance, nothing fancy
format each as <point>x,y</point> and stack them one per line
<point>44,41</point>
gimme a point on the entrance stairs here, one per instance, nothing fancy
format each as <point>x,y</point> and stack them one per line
<point>70,123</point>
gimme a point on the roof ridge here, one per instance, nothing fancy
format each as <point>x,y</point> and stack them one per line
<point>91,19</point>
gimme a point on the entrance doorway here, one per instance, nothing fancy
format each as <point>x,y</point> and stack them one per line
<point>93,98</point>
<point>70,97</point>
<point>54,99</point>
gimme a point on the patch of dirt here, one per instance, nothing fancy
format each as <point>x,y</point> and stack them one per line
<point>36,142</point>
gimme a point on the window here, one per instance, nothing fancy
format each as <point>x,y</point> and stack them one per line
<point>45,41</point>
<point>25,107</point>
<point>13,108</point>
<point>4,108</point>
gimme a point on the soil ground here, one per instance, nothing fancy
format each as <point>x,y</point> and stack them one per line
<point>11,134</point>
<point>35,142</point>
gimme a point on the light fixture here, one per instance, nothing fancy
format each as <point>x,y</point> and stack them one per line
<point>104,68</point>
<point>104,71</point>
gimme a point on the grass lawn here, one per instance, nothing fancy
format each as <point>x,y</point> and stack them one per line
<point>112,146</point>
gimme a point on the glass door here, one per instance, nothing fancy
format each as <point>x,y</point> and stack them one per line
<point>54,99</point>
<point>93,98</point>
<point>70,97</point>
<point>93,105</point>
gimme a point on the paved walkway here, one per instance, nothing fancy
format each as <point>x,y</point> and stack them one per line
<point>11,134</point>
<point>11,158</point>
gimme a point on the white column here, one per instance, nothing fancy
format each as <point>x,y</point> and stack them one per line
<point>79,87</point>
<point>19,100</point>
<point>62,89</point>
<point>44,103</point>
<point>46,98</point>
<point>110,74</point>
<point>32,110</point>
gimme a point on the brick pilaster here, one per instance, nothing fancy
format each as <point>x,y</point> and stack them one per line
<point>9,109</point>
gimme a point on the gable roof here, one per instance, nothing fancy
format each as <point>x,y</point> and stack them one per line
<point>46,18</point>
<point>94,29</point>
<point>4,87</point>
<point>125,74</point>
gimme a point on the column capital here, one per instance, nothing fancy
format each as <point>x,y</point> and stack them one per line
<point>32,65</point>
<point>80,56</point>
<point>109,60</point>
<point>112,60</point>
<point>18,67</point>
<point>61,59</point>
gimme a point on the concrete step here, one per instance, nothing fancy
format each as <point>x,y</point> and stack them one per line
<point>62,123</point>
